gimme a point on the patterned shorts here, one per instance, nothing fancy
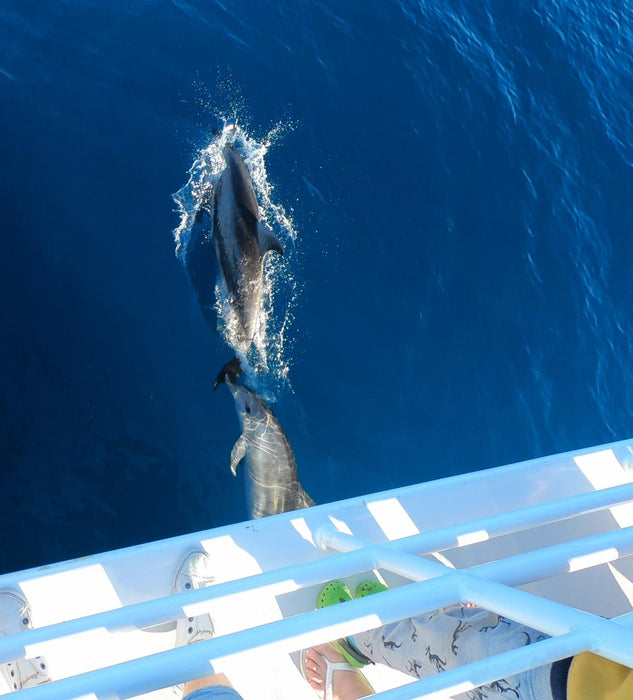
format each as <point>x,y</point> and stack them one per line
<point>429,644</point>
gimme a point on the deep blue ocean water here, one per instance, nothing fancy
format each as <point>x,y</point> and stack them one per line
<point>458,177</point>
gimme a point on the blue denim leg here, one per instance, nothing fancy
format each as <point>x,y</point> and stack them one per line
<point>214,692</point>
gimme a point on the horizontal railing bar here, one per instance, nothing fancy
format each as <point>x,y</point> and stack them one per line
<point>308,629</point>
<point>154,612</point>
<point>541,563</point>
<point>287,635</point>
<point>168,608</point>
<point>514,570</point>
<point>626,619</point>
<point>150,613</point>
<point>521,519</point>
<point>302,631</point>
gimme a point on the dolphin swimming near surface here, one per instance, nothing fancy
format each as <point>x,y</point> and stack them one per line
<point>272,481</point>
<point>201,266</point>
<point>241,242</point>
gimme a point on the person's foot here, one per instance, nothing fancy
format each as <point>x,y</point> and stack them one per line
<point>195,571</point>
<point>15,616</point>
<point>331,677</point>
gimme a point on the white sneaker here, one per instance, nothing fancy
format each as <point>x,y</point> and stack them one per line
<point>194,572</point>
<point>15,616</point>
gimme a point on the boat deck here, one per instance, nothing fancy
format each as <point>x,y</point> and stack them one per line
<point>557,528</point>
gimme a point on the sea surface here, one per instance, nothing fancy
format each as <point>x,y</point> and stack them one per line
<point>452,183</point>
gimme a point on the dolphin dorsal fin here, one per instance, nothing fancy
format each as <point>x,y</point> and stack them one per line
<point>267,240</point>
<point>238,453</point>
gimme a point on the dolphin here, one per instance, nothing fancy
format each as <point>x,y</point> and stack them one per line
<point>200,265</point>
<point>272,481</point>
<point>241,242</point>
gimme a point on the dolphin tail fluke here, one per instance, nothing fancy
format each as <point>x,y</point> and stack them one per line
<point>267,240</point>
<point>231,369</point>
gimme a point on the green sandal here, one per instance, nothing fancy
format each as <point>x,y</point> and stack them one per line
<point>369,588</point>
<point>333,593</point>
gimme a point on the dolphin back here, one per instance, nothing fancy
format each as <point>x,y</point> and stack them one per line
<point>241,182</point>
<point>241,241</point>
<point>246,200</point>
<point>272,481</point>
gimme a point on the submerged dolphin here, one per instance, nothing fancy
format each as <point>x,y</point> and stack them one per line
<point>272,482</point>
<point>200,265</point>
<point>241,242</point>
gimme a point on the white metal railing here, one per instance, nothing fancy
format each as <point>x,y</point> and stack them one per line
<point>544,562</point>
<point>435,586</point>
<point>442,586</point>
<point>521,519</point>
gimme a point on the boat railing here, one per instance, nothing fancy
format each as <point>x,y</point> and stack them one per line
<point>431,585</point>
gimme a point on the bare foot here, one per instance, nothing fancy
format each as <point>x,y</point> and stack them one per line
<point>346,685</point>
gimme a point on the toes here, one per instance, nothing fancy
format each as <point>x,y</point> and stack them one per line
<point>315,683</point>
<point>315,671</point>
<point>315,662</point>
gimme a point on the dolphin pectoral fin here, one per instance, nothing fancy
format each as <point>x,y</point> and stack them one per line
<point>237,454</point>
<point>267,240</point>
